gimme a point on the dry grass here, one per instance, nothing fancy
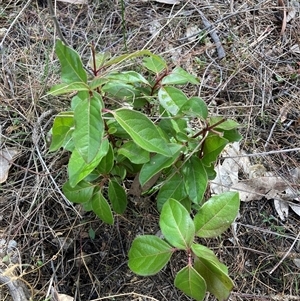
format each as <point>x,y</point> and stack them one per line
<point>258,83</point>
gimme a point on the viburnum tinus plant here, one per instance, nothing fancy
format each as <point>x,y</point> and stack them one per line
<point>125,124</point>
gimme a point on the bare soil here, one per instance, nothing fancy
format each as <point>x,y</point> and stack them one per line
<point>62,249</point>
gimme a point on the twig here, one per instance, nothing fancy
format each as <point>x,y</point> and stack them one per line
<point>285,255</point>
<point>53,15</point>
<point>213,34</point>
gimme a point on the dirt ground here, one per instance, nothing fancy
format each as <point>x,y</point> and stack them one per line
<point>61,249</point>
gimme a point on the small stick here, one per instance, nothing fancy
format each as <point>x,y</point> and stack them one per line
<point>213,34</point>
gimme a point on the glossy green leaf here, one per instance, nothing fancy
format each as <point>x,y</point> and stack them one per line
<point>119,89</point>
<point>100,59</point>
<point>78,169</point>
<point>97,82</point>
<point>101,207</point>
<point>81,193</point>
<point>134,153</point>
<point>227,125</point>
<point>157,163</point>
<point>117,196</point>
<point>195,179</point>
<point>119,171</point>
<point>171,99</point>
<point>128,77</point>
<point>232,135</point>
<point>62,129</point>
<point>217,214</point>
<point>71,66</point>
<point>78,98</point>
<point>172,188</point>
<point>195,107</point>
<point>218,282</point>
<point>124,57</point>
<point>155,63</point>
<point>213,146</point>
<point>89,127</point>
<point>107,162</point>
<point>203,252</point>
<point>148,255</point>
<point>143,131</point>
<point>189,281</point>
<point>67,88</point>
<point>177,225</point>
<point>179,76</point>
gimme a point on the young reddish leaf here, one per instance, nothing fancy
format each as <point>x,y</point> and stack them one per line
<point>177,225</point>
<point>89,127</point>
<point>117,196</point>
<point>81,193</point>
<point>189,281</point>
<point>171,99</point>
<point>195,179</point>
<point>101,207</point>
<point>217,214</point>
<point>71,66</point>
<point>148,255</point>
<point>78,169</point>
<point>218,283</point>
<point>143,131</point>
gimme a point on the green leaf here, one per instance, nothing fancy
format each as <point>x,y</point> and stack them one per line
<point>117,196</point>
<point>155,63</point>
<point>89,127</point>
<point>71,66</point>
<point>119,89</point>
<point>172,188</point>
<point>101,207</point>
<point>195,107</point>
<point>195,179</point>
<point>100,59</point>
<point>78,98</point>
<point>107,162</point>
<point>203,252</point>
<point>81,193</point>
<point>97,82</point>
<point>232,135</point>
<point>67,88</point>
<point>217,214</point>
<point>213,146</point>
<point>148,255</point>
<point>179,76</point>
<point>227,125</point>
<point>78,169</point>
<point>127,56</point>
<point>129,77</point>
<point>177,225</point>
<point>62,129</point>
<point>134,153</point>
<point>142,130</point>
<point>119,171</point>
<point>218,282</point>
<point>189,281</point>
<point>157,163</point>
<point>171,99</point>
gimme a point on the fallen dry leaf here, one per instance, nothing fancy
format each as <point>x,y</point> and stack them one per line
<point>172,2</point>
<point>64,297</point>
<point>6,157</point>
